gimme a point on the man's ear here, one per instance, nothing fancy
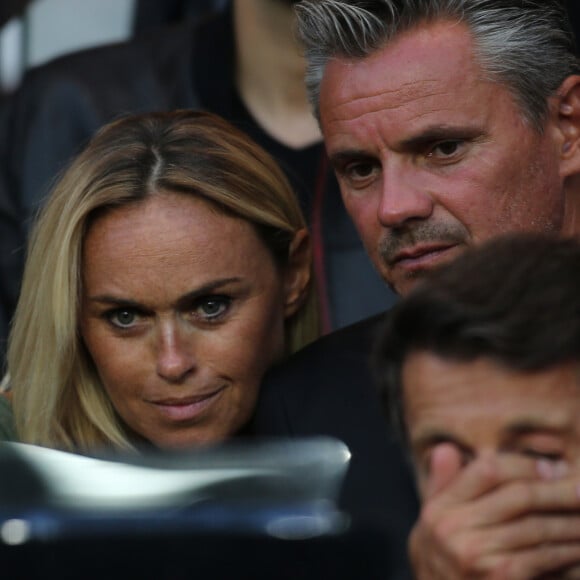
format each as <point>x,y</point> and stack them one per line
<point>568,103</point>
<point>297,277</point>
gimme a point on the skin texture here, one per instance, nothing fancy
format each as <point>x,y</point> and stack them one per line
<point>495,451</point>
<point>431,158</point>
<point>182,311</point>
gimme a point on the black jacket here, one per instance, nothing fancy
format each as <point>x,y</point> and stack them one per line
<point>327,389</point>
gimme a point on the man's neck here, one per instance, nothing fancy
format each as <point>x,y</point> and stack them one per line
<point>270,71</point>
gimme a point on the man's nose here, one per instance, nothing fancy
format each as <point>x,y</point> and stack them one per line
<point>175,353</point>
<point>403,198</point>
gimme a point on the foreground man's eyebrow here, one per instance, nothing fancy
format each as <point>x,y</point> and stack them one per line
<point>432,437</point>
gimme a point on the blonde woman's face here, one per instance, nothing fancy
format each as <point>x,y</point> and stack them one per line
<point>182,312</point>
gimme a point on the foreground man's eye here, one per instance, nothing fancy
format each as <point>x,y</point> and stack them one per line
<point>537,454</point>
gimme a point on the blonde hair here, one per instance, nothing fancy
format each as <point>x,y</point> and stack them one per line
<point>58,398</point>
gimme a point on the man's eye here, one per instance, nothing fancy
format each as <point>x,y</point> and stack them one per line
<point>445,149</point>
<point>122,317</point>
<point>539,454</point>
<point>212,307</point>
<point>360,171</point>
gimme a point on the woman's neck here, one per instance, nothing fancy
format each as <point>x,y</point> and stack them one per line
<point>270,71</point>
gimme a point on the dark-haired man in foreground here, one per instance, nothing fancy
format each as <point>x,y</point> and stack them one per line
<point>480,368</point>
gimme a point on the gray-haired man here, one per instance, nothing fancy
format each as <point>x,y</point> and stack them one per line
<point>447,122</point>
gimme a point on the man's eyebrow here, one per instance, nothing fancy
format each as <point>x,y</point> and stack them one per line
<point>434,134</point>
<point>348,155</point>
<point>431,437</point>
<point>417,142</point>
<point>533,425</point>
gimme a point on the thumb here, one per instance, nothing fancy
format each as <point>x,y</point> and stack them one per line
<point>446,463</point>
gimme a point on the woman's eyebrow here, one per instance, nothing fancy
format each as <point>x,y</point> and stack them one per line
<point>208,288</point>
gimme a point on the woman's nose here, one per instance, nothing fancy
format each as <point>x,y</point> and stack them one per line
<point>175,356</point>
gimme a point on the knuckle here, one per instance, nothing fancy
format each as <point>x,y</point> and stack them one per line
<point>503,570</point>
<point>488,474</point>
<point>467,555</point>
<point>446,527</point>
<point>525,493</point>
<point>430,514</point>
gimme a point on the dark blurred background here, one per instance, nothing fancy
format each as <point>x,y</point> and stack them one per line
<point>35,31</point>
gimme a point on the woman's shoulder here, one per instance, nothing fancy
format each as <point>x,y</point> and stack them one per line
<point>7,429</point>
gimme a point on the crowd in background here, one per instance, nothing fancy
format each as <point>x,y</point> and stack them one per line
<point>105,308</point>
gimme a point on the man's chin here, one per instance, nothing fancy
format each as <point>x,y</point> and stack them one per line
<point>407,284</point>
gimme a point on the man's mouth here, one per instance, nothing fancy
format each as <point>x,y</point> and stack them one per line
<point>420,255</point>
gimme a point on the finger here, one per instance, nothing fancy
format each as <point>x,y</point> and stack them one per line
<point>444,467</point>
<point>546,561</point>
<point>486,474</point>
<point>522,534</point>
<point>473,555</point>
<point>518,498</point>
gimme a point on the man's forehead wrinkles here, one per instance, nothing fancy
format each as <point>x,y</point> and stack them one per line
<point>385,100</point>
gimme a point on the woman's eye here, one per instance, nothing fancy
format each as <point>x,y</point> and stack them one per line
<point>122,318</point>
<point>213,307</point>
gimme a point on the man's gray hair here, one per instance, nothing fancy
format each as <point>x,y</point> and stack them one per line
<point>527,45</point>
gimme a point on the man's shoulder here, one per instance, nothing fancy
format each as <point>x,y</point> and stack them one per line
<point>316,388</point>
<point>345,347</point>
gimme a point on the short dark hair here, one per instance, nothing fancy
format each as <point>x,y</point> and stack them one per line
<point>515,300</point>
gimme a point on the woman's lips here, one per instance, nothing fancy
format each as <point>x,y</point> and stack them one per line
<point>187,408</point>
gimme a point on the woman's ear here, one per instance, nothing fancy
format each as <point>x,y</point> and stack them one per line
<point>297,278</point>
<point>568,111</point>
